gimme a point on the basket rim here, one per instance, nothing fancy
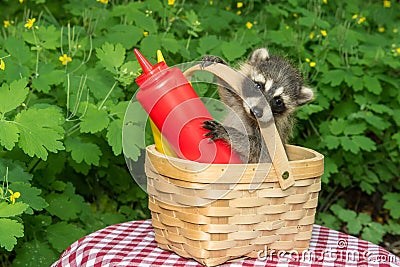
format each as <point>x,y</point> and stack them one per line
<point>310,165</point>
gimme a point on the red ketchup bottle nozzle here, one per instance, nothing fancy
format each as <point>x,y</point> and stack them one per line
<point>144,63</point>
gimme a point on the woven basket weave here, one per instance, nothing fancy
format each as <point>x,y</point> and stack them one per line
<point>214,213</point>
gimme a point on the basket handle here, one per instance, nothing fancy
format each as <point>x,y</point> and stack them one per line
<point>276,149</point>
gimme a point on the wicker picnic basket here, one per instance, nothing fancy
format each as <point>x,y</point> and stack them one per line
<point>215,213</point>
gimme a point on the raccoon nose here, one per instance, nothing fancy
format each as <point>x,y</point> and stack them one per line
<point>257,112</point>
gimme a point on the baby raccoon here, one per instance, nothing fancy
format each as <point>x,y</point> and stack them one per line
<point>282,86</point>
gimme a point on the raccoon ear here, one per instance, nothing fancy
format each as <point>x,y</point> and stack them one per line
<point>306,95</point>
<point>258,55</point>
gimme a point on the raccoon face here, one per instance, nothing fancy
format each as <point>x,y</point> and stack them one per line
<point>279,82</point>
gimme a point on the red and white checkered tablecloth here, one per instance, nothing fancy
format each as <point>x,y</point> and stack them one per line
<point>132,244</point>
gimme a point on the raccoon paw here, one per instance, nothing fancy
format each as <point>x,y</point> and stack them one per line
<point>216,130</point>
<point>209,60</point>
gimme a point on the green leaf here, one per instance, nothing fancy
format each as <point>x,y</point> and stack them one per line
<point>94,120</point>
<point>133,132</point>
<point>307,21</point>
<point>374,233</point>
<point>100,82</point>
<point>8,134</point>
<point>82,150</point>
<point>114,136</point>
<point>364,218</point>
<point>170,44</point>
<point>18,49</point>
<point>376,121</point>
<point>62,234</point>
<point>207,44</point>
<point>13,96</point>
<point>34,254</point>
<point>346,215</point>
<point>147,23</point>
<point>119,109</point>
<point>149,45</point>
<point>348,144</point>
<point>355,128</point>
<point>232,50</point>
<point>30,195</point>
<point>367,187</point>
<point>48,76</point>
<point>364,142</point>
<point>111,56</point>
<point>396,137</point>
<point>332,142</point>
<point>337,126</point>
<point>372,84</point>
<point>11,210</point>
<point>16,171</point>
<point>330,167</point>
<point>127,35</point>
<point>332,93</point>
<point>334,77</point>
<point>67,205</point>
<point>40,131</point>
<point>354,227</point>
<point>46,37</point>
<point>380,109</point>
<point>128,72</point>
<point>328,220</point>
<point>9,231</point>
<point>392,204</point>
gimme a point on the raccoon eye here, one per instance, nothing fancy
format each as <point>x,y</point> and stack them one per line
<point>278,101</point>
<point>277,106</point>
<point>259,85</point>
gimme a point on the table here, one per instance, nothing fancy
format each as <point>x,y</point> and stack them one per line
<point>132,244</point>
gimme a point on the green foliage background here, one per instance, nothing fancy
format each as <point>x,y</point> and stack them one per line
<point>60,125</point>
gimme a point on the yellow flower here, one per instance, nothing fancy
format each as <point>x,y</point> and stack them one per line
<point>65,59</point>
<point>249,25</point>
<point>2,65</point>
<point>29,23</point>
<point>307,60</point>
<point>312,64</point>
<point>239,12</point>
<point>361,20</point>
<point>171,2</point>
<point>325,2</point>
<point>14,196</point>
<point>21,1</point>
<point>312,34</point>
<point>239,4</point>
<point>354,16</point>
<point>323,32</point>
<point>381,29</point>
<point>295,15</point>
<point>386,3</point>
<point>211,3</point>
<point>398,50</point>
<point>145,34</point>
<point>103,1</point>
<point>6,23</point>
<point>395,30</point>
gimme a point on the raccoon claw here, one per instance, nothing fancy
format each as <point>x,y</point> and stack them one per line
<point>216,130</point>
<point>209,60</point>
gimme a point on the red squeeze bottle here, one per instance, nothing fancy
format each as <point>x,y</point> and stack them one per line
<point>178,113</point>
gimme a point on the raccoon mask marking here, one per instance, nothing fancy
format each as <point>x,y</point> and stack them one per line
<point>281,86</point>
<point>278,80</point>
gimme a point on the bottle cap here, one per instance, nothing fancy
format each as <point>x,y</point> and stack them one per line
<point>148,69</point>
